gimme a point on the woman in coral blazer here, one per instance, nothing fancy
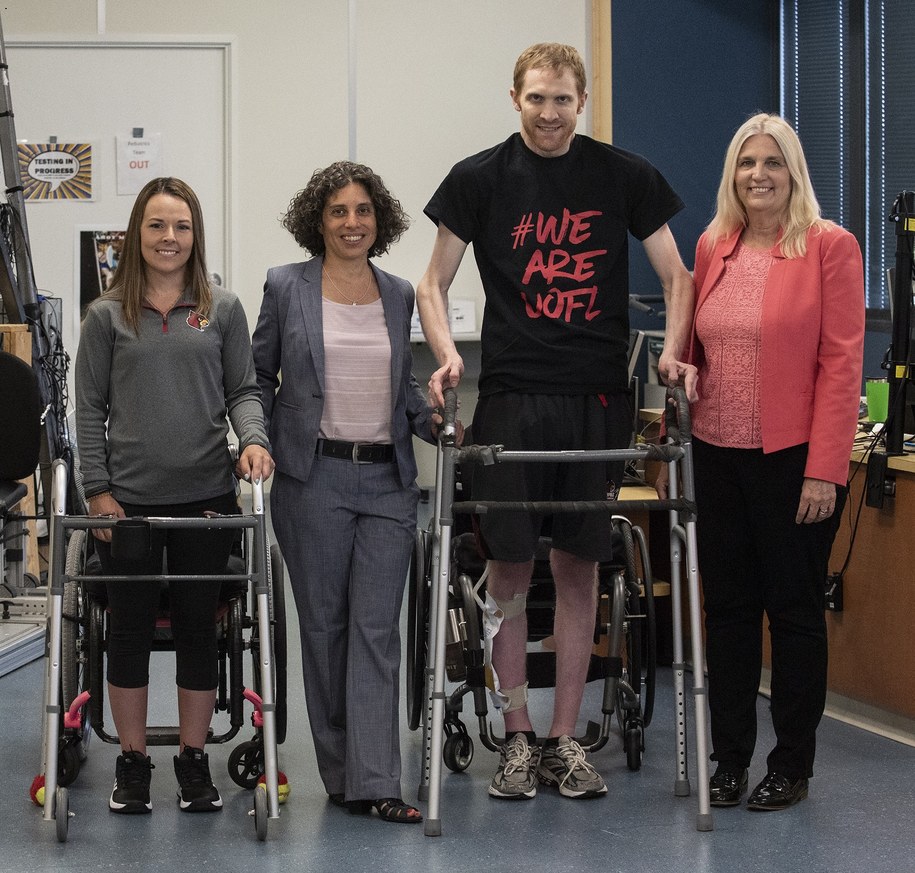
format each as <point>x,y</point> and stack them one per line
<point>777,339</point>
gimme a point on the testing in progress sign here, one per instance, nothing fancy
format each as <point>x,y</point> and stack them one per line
<point>56,171</point>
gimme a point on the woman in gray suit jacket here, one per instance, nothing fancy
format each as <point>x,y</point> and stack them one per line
<point>343,503</point>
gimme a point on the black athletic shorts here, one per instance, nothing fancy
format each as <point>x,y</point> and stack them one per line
<point>549,422</point>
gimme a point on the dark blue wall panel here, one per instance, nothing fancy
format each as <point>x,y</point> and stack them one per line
<point>686,74</point>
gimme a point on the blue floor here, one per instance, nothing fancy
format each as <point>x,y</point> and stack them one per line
<point>858,815</point>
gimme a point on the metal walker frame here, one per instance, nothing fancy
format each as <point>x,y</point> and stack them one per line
<point>57,712</point>
<point>680,506</point>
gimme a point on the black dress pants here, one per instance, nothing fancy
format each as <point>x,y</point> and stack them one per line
<point>755,559</point>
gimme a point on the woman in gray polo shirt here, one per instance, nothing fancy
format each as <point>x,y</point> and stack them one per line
<point>163,358</point>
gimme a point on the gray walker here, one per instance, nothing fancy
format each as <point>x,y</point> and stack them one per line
<point>62,713</point>
<point>680,506</point>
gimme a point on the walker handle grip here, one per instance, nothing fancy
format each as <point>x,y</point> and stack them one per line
<point>449,414</point>
<point>676,415</point>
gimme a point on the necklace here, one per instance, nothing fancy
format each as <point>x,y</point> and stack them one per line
<point>360,298</point>
<point>168,308</point>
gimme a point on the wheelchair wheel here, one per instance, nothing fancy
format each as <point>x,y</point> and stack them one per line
<point>96,666</point>
<point>278,574</point>
<point>629,709</point>
<point>634,650</point>
<point>276,597</point>
<point>278,612</point>
<point>650,647</point>
<point>246,764</point>
<point>634,713</point>
<point>68,763</point>
<point>70,630</point>
<point>73,678</point>
<point>231,652</point>
<point>417,622</point>
<point>632,669</point>
<point>634,741</point>
<point>632,642</point>
<point>457,753</point>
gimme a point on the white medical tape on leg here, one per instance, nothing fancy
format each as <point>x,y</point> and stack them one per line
<point>494,613</point>
<point>512,608</point>
<point>517,698</point>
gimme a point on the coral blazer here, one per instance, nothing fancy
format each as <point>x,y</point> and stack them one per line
<point>811,346</point>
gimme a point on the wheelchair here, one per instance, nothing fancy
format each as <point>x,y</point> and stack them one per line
<point>623,655</point>
<point>20,439</point>
<point>251,618</point>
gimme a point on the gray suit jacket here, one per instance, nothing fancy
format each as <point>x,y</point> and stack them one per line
<point>289,339</point>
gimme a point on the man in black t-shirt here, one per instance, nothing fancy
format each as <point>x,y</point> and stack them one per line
<point>549,213</point>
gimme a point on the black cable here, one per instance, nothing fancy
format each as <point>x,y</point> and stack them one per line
<point>853,523</point>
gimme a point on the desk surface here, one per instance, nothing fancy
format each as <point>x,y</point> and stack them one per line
<point>904,463</point>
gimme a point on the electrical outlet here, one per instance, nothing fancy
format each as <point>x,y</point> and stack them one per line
<point>834,592</point>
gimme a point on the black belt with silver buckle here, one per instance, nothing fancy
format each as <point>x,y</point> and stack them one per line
<point>358,453</point>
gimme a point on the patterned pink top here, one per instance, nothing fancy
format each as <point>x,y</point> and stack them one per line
<point>728,326</point>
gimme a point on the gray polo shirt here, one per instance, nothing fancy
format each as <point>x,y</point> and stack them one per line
<point>151,408</point>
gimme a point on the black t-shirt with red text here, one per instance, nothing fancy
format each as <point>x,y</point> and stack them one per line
<point>550,237</point>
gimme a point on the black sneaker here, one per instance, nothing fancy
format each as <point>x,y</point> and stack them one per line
<point>132,775</point>
<point>196,790</point>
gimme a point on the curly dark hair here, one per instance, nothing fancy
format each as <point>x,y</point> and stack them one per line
<point>304,216</point>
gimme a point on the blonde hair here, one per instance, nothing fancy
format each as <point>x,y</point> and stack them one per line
<point>803,210</point>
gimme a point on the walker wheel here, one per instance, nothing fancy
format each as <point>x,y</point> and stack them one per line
<point>260,813</point>
<point>62,814</point>
<point>457,752</point>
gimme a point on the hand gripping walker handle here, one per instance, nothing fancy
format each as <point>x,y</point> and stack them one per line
<point>449,412</point>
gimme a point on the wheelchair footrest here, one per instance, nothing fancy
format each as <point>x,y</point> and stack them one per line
<point>166,735</point>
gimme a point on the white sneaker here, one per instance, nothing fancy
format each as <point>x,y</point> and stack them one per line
<point>564,765</point>
<point>515,779</point>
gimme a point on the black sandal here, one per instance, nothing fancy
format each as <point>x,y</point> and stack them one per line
<point>336,799</point>
<point>394,809</point>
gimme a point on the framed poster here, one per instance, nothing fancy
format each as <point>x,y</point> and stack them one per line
<point>56,171</point>
<point>97,252</point>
